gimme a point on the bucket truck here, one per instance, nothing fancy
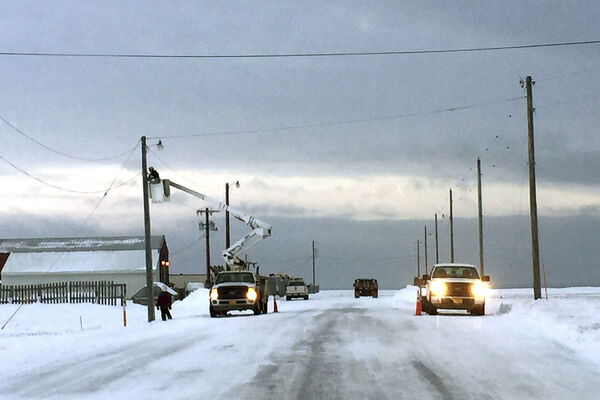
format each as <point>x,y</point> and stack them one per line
<point>237,288</point>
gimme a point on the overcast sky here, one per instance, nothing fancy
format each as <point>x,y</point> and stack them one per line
<point>314,141</point>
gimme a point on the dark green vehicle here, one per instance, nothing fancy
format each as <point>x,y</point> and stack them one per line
<point>365,287</point>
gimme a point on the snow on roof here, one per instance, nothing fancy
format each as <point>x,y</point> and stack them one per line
<point>80,261</point>
<point>78,244</point>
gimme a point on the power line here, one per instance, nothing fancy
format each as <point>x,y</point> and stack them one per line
<point>63,188</point>
<point>110,187</point>
<point>58,151</point>
<point>287,55</point>
<point>335,123</point>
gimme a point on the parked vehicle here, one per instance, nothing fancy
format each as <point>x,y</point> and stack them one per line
<point>238,290</point>
<point>365,287</point>
<point>455,287</point>
<point>296,288</point>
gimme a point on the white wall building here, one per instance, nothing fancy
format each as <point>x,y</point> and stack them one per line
<point>49,260</point>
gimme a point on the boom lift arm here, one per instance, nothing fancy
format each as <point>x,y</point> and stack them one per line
<point>260,229</point>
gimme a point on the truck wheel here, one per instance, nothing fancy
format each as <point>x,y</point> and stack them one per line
<point>356,296</point>
<point>306,297</point>
<point>265,307</point>
<point>431,310</point>
<point>287,298</point>
<point>375,295</point>
<point>479,310</point>
<point>213,313</point>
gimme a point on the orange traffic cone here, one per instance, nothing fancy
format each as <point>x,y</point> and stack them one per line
<point>274,304</point>
<point>419,305</point>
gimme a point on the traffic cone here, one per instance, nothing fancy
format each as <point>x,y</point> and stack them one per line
<point>419,305</point>
<point>274,304</point>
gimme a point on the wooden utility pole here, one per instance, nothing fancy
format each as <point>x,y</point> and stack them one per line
<point>149,280</point>
<point>451,230</point>
<point>480,217</point>
<point>207,234</point>
<point>207,228</point>
<point>425,248</point>
<point>227,240</point>
<point>535,248</point>
<point>437,252</point>
<point>418,260</point>
<point>313,260</point>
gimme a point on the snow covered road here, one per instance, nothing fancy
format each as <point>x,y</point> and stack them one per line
<point>330,347</point>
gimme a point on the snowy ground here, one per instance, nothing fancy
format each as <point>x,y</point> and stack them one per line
<point>332,346</point>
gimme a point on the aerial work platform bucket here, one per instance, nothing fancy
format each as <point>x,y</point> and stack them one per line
<point>160,190</point>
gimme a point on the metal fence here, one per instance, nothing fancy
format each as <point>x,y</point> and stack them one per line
<point>99,292</point>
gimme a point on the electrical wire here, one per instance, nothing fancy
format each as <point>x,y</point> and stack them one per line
<point>288,55</point>
<point>58,151</point>
<point>63,188</point>
<point>110,187</point>
<point>342,122</point>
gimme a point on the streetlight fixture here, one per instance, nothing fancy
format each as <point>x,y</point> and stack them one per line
<point>237,185</point>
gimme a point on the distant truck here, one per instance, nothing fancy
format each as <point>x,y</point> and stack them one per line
<point>238,290</point>
<point>365,287</point>
<point>296,288</point>
<point>454,287</point>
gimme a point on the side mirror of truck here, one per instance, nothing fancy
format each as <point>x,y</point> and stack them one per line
<point>485,278</point>
<point>426,277</point>
<point>417,281</point>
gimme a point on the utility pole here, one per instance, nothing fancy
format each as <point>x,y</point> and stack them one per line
<point>149,280</point>
<point>425,249</point>
<point>480,217</point>
<point>437,253</point>
<point>418,260</point>
<point>535,247</point>
<point>313,260</point>
<point>227,240</point>
<point>451,230</point>
<point>207,228</point>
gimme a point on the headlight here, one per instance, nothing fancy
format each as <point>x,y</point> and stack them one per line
<point>437,288</point>
<point>214,294</point>
<point>479,289</point>
<point>251,294</point>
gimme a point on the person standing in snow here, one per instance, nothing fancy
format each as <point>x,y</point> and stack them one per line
<point>164,304</point>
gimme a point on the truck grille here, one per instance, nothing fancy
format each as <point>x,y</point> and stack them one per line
<point>459,289</point>
<point>232,292</point>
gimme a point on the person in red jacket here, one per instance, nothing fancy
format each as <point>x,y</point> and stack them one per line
<point>164,304</point>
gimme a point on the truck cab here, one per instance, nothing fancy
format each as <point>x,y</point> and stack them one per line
<point>454,287</point>
<point>238,290</point>
<point>296,288</point>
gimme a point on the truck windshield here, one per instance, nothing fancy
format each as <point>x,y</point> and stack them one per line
<point>455,272</point>
<point>245,277</point>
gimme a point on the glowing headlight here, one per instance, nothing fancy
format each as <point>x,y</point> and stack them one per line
<point>251,294</point>
<point>479,289</point>
<point>214,294</point>
<point>437,288</point>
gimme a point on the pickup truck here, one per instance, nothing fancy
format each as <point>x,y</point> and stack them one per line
<point>454,287</point>
<point>238,290</point>
<point>296,288</point>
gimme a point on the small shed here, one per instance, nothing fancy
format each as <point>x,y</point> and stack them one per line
<point>121,259</point>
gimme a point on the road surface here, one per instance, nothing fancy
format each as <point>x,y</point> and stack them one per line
<point>330,347</point>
